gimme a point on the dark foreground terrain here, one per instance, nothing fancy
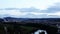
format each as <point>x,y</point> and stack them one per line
<point>11,25</point>
<point>28,28</point>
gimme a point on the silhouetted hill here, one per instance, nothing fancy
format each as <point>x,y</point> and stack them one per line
<point>15,19</point>
<point>1,20</point>
<point>32,24</point>
<point>33,20</point>
<point>50,19</point>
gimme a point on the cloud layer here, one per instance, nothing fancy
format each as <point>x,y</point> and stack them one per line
<point>51,12</point>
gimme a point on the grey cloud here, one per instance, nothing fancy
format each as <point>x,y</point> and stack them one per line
<point>53,16</point>
<point>29,15</point>
<point>52,9</point>
<point>32,9</point>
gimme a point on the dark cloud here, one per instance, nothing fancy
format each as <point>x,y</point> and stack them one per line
<point>32,9</point>
<point>11,9</point>
<point>52,9</point>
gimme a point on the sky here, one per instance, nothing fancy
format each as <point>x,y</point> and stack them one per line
<point>30,8</point>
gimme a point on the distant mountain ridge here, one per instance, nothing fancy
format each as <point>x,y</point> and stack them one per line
<point>32,20</point>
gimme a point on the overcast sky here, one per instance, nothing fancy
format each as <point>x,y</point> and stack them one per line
<point>30,8</point>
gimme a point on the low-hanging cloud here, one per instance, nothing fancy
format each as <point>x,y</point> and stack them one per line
<point>52,9</point>
<point>11,13</point>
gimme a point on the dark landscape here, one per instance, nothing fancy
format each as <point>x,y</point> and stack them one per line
<point>10,25</point>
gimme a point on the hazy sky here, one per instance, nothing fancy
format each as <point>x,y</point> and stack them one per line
<point>30,8</point>
<point>40,4</point>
